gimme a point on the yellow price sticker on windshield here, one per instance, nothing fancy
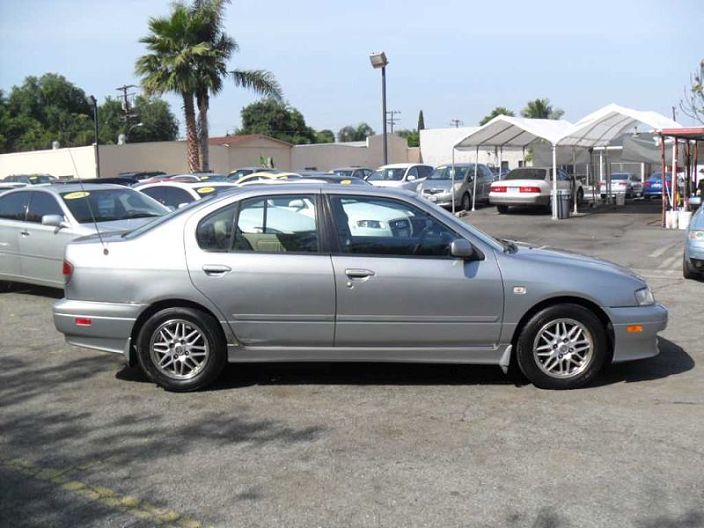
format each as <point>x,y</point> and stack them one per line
<point>345,182</point>
<point>203,178</point>
<point>76,195</point>
<point>205,190</point>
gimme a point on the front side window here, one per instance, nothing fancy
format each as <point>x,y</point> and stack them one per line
<point>42,204</point>
<point>424,171</point>
<point>389,174</point>
<point>277,224</point>
<point>13,206</point>
<point>158,193</point>
<point>367,225</point>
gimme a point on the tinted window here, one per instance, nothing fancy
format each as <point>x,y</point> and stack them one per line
<point>214,232</point>
<point>158,193</point>
<point>412,173</point>
<point>387,175</point>
<point>14,206</point>
<point>105,205</point>
<point>176,197</point>
<point>42,204</point>
<point>380,226</point>
<point>279,224</point>
<point>527,174</point>
<point>424,171</point>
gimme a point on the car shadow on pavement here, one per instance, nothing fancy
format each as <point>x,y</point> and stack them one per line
<point>29,289</point>
<point>672,360</point>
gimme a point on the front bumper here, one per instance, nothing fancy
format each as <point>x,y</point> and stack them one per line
<point>110,324</point>
<point>629,346</point>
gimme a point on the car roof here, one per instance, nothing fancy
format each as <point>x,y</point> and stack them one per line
<point>400,165</point>
<point>62,188</point>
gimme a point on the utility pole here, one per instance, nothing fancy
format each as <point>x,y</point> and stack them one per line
<point>391,118</point>
<point>126,105</point>
<point>456,122</point>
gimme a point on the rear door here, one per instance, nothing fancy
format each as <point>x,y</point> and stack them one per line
<point>42,247</point>
<point>262,262</point>
<point>13,210</point>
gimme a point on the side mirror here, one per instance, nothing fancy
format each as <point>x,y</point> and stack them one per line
<point>183,204</point>
<point>54,221</point>
<point>461,248</point>
<point>411,178</point>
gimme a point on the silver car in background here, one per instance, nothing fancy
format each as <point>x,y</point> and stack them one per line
<point>693,259</point>
<point>437,187</point>
<point>400,175</point>
<point>36,223</point>
<point>346,273</point>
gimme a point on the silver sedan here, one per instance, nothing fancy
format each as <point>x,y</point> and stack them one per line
<point>36,223</point>
<point>346,273</point>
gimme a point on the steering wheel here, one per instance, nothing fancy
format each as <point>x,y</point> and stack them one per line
<point>422,236</point>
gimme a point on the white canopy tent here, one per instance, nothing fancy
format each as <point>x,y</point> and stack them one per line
<point>506,131</point>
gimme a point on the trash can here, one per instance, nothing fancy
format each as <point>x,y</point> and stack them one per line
<point>620,198</point>
<point>563,204</point>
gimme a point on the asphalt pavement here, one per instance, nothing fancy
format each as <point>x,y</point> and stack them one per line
<point>87,441</point>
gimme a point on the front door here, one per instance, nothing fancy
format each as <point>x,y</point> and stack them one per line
<point>397,285</point>
<point>41,246</point>
<point>260,261</point>
<point>13,211</point>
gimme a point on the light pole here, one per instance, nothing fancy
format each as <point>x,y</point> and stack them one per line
<point>123,138</point>
<point>379,60</point>
<point>94,102</point>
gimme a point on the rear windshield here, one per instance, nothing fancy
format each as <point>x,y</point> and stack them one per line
<point>526,174</point>
<point>109,205</point>
<point>620,176</point>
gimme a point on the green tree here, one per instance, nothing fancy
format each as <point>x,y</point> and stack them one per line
<point>276,119</point>
<point>499,110</point>
<point>157,121</point>
<point>541,109</point>
<point>42,110</point>
<point>170,66</point>
<point>211,67</point>
<point>325,136</point>
<point>412,137</point>
<point>692,104</point>
<point>421,121</point>
<point>358,133</point>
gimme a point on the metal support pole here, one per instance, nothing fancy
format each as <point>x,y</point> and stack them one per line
<point>453,180</point>
<point>663,168</point>
<point>383,113</point>
<point>574,180</point>
<point>554,182</point>
<point>501,160</point>
<point>673,187</point>
<point>97,137</point>
<point>474,183</point>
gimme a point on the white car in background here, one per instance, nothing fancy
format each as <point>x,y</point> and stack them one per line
<point>623,182</point>
<point>400,175</point>
<point>529,186</point>
<point>177,194</point>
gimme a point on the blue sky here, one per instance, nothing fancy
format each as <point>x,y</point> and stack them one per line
<point>453,59</point>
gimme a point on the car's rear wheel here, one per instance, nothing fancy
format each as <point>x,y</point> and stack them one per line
<point>562,347</point>
<point>689,271</point>
<point>466,202</point>
<point>502,209</point>
<point>181,349</point>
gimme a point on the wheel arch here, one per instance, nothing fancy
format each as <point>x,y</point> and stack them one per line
<point>566,299</point>
<point>162,305</point>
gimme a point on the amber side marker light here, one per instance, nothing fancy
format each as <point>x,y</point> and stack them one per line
<point>634,329</point>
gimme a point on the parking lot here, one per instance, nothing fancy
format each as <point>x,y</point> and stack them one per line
<point>87,441</point>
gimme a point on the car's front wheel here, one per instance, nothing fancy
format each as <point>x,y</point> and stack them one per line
<point>502,209</point>
<point>562,347</point>
<point>466,202</point>
<point>689,271</point>
<point>181,349</point>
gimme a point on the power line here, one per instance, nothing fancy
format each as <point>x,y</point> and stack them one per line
<point>456,122</point>
<point>391,118</point>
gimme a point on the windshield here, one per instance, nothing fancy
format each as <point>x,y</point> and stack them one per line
<point>387,175</point>
<point>344,172</point>
<point>620,176</point>
<point>41,179</point>
<point>109,205</point>
<point>526,174</point>
<point>444,172</point>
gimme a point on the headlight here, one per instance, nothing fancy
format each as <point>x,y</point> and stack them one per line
<point>644,297</point>
<point>696,234</point>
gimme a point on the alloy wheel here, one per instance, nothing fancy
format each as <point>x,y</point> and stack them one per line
<point>179,349</point>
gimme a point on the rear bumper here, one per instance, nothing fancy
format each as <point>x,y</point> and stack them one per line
<point>629,345</point>
<point>522,199</point>
<point>110,324</point>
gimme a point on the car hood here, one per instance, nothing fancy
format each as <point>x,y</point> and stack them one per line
<point>387,183</point>
<point>552,256</point>
<point>439,184</point>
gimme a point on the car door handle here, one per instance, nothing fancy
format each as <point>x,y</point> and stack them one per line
<point>216,269</point>
<point>24,233</point>
<point>356,273</point>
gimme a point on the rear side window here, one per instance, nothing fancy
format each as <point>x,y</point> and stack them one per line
<point>14,206</point>
<point>214,232</point>
<point>158,193</point>
<point>42,204</point>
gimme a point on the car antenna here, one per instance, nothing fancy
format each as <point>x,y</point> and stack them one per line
<point>90,208</point>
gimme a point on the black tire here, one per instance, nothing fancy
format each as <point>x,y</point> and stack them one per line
<point>502,209</point>
<point>466,203</point>
<point>689,271</point>
<point>210,335</point>
<point>594,361</point>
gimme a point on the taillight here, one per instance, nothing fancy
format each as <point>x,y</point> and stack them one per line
<point>529,189</point>
<point>67,270</point>
<point>499,188</point>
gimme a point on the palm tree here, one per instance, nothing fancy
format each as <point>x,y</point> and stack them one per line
<point>169,67</point>
<point>541,109</point>
<point>211,67</point>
